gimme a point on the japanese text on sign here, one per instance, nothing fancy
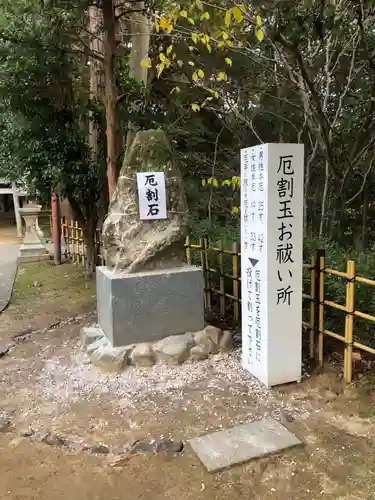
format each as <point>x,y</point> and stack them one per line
<point>151,195</point>
<point>271,253</point>
<point>253,227</point>
<point>285,216</point>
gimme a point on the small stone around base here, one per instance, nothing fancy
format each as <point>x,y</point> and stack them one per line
<point>172,350</point>
<point>149,305</point>
<point>244,442</point>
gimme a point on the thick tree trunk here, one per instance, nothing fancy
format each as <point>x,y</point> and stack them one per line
<point>56,229</point>
<point>91,251</point>
<point>110,91</point>
<point>140,33</point>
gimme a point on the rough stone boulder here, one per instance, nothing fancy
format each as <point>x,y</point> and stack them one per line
<point>131,244</point>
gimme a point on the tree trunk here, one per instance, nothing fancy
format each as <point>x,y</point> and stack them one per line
<point>110,91</point>
<point>140,33</point>
<point>56,228</point>
<point>91,251</point>
<point>364,232</point>
<point>324,200</point>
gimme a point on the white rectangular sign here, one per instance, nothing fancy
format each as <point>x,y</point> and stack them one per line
<point>151,195</point>
<point>271,261</point>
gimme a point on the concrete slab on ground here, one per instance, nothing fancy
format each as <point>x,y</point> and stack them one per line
<point>241,443</point>
<point>8,270</point>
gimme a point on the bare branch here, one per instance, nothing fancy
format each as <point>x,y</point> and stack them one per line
<point>363,182</point>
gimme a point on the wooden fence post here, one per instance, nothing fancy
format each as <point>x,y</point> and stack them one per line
<point>319,302</point>
<point>221,277</point>
<point>313,306</point>
<point>235,273</point>
<point>208,273</point>
<point>188,250</point>
<point>349,320</point>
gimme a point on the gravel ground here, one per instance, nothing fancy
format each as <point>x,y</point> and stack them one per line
<point>62,376</point>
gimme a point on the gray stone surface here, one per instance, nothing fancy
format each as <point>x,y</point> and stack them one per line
<point>199,352</point>
<point>175,349</point>
<point>142,356</point>
<point>149,305</point>
<point>33,253</point>
<point>135,245</point>
<point>213,333</point>
<point>226,341</point>
<point>99,343</point>
<point>242,443</point>
<point>110,359</point>
<point>208,338</point>
<point>8,270</point>
<point>90,334</point>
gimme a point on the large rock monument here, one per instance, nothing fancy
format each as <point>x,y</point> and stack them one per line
<point>146,292</point>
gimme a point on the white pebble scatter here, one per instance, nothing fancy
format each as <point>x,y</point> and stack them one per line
<point>68,380</point>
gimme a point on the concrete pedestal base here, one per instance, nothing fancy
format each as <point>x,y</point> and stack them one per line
<point>33,253</point>
<point>149,305</point>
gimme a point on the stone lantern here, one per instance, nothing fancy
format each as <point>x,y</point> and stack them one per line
<point>32,248</point>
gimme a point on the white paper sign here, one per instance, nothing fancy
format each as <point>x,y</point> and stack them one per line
<point>151,195</point>
<point>271,257</point>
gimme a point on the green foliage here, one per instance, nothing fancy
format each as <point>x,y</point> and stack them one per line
<point>335,288</point>
<point>44,107</point>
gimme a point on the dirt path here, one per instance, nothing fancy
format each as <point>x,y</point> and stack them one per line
<point>47,384</point>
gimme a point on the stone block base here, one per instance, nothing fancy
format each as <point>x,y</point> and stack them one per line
<point>149,305</point>
<point>33,253</point>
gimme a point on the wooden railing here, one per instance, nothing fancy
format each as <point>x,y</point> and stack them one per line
<point>221,265</point>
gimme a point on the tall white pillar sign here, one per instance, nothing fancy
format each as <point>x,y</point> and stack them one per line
<point>271,261</point>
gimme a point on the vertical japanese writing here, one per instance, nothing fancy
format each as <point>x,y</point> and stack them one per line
<point>249,326</point>
<point>285,216</point>
<point>271,256</point>
<point>152,196</point>
<point>258,322</point>
<point>245,195</point>
<point>253,248</point>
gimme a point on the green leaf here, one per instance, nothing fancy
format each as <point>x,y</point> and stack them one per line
<point>183,13</point>
<point>195,107</point>
<point>146,63</point>
<point>227,18</point>
<point>259,33</point>
<point>161,69</point>
<point>222,76</point>
<point>200,73</point>
<point>228,60</point>
<point>237,14</point>
<point>205,16</point>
